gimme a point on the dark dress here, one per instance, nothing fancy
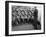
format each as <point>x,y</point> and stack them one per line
<point>35,18</point>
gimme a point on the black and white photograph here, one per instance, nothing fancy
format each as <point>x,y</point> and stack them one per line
<point>25,18</point>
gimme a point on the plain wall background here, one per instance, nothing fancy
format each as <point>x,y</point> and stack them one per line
<point>2,19</point>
